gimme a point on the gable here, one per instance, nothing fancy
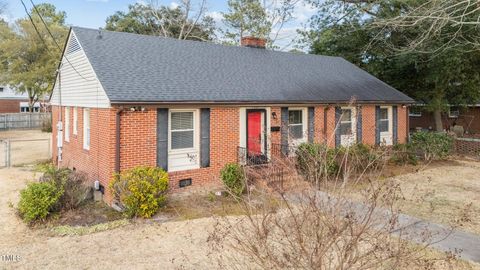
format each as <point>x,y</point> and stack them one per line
<point>78,81</point>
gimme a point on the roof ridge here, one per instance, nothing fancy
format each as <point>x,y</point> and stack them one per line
<point>209,43</point>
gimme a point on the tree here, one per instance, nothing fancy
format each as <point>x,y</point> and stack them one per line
<point>179,22</point>
<point>246,17</point>
<point>29,59</point>
<point>350,29</point>
<point>263,19</point>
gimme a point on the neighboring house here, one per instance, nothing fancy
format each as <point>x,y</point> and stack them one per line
<point>467,117</point>
<point>191,107</point>
<point>12,102</point>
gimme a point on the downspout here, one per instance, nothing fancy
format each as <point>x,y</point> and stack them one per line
<point>117,138</point>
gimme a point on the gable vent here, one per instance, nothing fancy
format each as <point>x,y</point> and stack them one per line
<point>73,45</point>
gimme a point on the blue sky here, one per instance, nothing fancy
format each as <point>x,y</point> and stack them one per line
<point>93,13</point>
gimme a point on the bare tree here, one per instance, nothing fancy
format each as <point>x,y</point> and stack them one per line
<point>187,21</point>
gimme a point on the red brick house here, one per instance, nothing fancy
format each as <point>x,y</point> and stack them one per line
<point>12,102</point>
<point>468,117</point>
<point>124,100</point>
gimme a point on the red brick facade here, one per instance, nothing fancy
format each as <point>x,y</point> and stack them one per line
<point>11,105</point>
<point>138,140</point>
<point>469,118</point>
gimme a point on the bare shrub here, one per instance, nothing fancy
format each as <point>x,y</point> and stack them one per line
<point>316,230</point>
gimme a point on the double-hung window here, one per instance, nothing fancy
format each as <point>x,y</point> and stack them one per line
<point>75,121</point>
<point>182,130</point>
<point>86,129</point>
<point>384,120</point>
<point>67,124</point>
<point>346,122</point>
<point>295,124</point>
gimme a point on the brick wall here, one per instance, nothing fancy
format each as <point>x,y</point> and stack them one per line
<point>138,144</point>
<point>99,161</point>
<point>10,105</point>
<point>138,141</point>
<point>469,118</point>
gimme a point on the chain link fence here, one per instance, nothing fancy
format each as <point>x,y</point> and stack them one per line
<point>22,152</point>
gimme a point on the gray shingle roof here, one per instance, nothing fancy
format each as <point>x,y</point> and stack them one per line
<point>139,68</point>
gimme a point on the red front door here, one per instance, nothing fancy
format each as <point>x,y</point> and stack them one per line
<point>254,130</point>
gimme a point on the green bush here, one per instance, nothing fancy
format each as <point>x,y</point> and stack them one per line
<point>73,184</point>
<point>316,161</point>
<point>358,158</point>
<point>431,145</point>
<point>404,154</point>
<point>233,178</point>
<point>141,190</point>
<point>38,200</point>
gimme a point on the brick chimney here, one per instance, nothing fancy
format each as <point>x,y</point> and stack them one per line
<point>253,42</point>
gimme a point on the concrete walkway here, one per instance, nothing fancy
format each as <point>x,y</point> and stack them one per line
<point>463,244</point>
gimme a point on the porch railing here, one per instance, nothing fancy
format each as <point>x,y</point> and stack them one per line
<point>272,151</point>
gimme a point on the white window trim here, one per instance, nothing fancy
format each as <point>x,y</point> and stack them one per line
<point>450,115</point>
<point>388,133</point>
<point>196,126</point>
<point>85,129</point>
<point>67,124</point>
<point>75,121</point>
<point>390,118</point>
<point>304,124</point>
<point>353,121</point>
<point>412,114</point>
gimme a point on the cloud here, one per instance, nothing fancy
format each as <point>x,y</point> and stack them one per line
<point>216,16</point>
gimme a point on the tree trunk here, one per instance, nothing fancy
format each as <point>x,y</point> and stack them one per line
<point>437,117</point>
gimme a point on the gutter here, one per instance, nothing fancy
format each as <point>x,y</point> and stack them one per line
<point>117,139</point>
<point>273,102</point>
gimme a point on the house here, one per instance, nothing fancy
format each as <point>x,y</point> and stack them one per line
<point>467,117</point>
<point>123,100</point>
<point>12,102</point>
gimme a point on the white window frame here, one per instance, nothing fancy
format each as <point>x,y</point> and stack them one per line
<point>413,114</point>
<point>67,124</point>
<point>453,115</point>
<point>86,129</point>
<point>387,134</point>
<point>344,140</point>
<point>304,125</point>
<point>75,121</point>
<point>196,141</point>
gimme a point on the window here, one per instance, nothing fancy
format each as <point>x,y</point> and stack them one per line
<point>453,112</point>
<point>75,121</point>
<point>346,122</point>
<point>1,89</point>
<point>182,131</point>
<point>384,120</point>
<point>415,111</point>
<point>86,129</point>
<point>67,124</point>
<point>295,124</point>
<point>24,109</point>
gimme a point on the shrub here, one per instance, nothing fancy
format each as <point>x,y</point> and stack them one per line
<point>141,190</point>
<point>38,200</point>
<point>358,158</point>
<point>233,178</point>
<point>316,161</point>
<point>404,154</point>
<point>431,145</point>
<point>73,184</point>
<point>47,124</point>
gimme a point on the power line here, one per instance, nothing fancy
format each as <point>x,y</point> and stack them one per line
<point>33,23</point>
<point>43,21</point>
<point>51,35</point>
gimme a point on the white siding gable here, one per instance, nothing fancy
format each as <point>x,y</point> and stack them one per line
<point>79,84</point>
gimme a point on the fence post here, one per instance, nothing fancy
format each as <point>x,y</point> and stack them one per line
<point>7,153</point>
<point>49,148</point>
